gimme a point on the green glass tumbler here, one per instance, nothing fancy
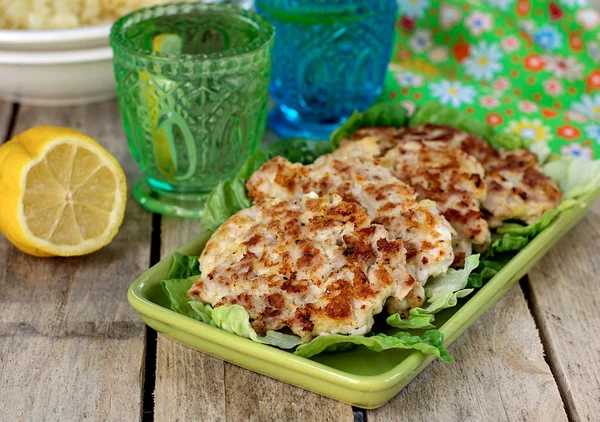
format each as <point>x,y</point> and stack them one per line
<point>192,86</point>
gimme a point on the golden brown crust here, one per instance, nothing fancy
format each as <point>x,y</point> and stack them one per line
<point>518,188</point>
<point>314,264</point>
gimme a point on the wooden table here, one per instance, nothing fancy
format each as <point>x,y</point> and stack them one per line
<point>72,349</point>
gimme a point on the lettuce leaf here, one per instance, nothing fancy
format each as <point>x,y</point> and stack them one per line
<point>184,266</point>
<point>417,320</point>
<point>508,141</point>
<point>226,199</point>
<point>252,163</point>
<point>514,237</point>
<point>430,343</point>
<point>541,150</point>
<point>486,270</point>
<point>575,176</point>
<point>176,291</point>
<point>383,114</point>
<point>298,150</point>
<point>432,112</point>
<point>230,196</point>
<point>441,292</point>
<point>451,282</point>
<point>233,319</point>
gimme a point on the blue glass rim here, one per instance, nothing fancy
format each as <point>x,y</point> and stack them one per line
<point>118,40</point>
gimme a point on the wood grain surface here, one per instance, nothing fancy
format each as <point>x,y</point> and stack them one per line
<point>565,293</point>
<point>190,383</point>
<point>71,347</point>
<point>499,374</point>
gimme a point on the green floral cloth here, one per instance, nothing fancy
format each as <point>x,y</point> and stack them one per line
<point>526,66</point>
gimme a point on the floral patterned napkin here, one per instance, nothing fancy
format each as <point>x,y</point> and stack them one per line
<point>526,66</point>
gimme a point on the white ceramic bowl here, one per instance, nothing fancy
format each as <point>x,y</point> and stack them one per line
<point>57,77</point>
<point>54,39</point>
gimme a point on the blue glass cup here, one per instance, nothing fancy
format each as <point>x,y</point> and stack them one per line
<point>330,58</point>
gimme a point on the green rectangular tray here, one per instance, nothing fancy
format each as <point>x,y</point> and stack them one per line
<point>358,377</point>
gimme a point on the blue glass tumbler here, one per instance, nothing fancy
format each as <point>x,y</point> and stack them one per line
<point>330,58</point>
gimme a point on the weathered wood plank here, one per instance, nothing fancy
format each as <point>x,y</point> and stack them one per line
<point>6,110</point>
<point>72,348</point>
<point>499,375</point>
<point>565,292</point>
<point>190,383</point>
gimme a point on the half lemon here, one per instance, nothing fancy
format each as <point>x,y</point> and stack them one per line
<point>61,193</point>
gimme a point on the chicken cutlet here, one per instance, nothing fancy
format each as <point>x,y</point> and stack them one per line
<point>317,265</point>
<point>454,181</point>
<point>517,188</point>
<point>448,176</point>
<point>426,234</point>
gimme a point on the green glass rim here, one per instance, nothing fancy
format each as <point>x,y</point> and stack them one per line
<point>118,40</point>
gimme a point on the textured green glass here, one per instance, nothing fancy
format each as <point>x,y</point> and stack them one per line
<point>192,85</point>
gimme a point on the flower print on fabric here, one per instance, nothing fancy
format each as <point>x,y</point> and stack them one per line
<point>510,43</point>
<point>568,132</point>
<point>413,8</point>
<point>553,87</point>
<point>593,49</point>
<point>593,80</point>
<point>564,67</point>
<point>593,131</point>
<point>574,3</point>
<point>452,93</point>
<point>479,22</point>
<point>421,40</point>
<point>534,62</point>
<point>577,150</point>
<point>527,106</point>
<point>588,18</point>
<point>407,79</point>
<point>527,26</point>
<point>534,129</point>
<point>576,117</point>
<point>501,84</point>
<point>489,101</point>
<point>438,54</point>
<point>494,119</point>
<point>548,37</point>
<point>589,106</point>
<point>503,5</point>
<point>483,62</point>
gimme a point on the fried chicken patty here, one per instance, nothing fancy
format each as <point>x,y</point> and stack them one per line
<point>426,234</point>
<point>317,265</point>
<point>448,176</point>
<point>517,188</point>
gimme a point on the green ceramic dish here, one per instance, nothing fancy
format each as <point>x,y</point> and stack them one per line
<point>358,377</point>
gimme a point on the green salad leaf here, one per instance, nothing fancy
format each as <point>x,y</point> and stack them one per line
<point>252,163</point>
<point>184,266</point>
<point>176,291</point>
<point>230,196</point>
<point>417,320</point>
<point>486,270</point>
<point>383,114</point>
<point>508,141</point>
<point>442,292</point>
<point>432,112</point>
<point>233,319</point>
<point>514,237</point>
<point>430,343</point>
<point>298,150</point>
<point>451,282</point>
<point>541,150</point>
<point>575,176</point>
<point>226,199</point>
